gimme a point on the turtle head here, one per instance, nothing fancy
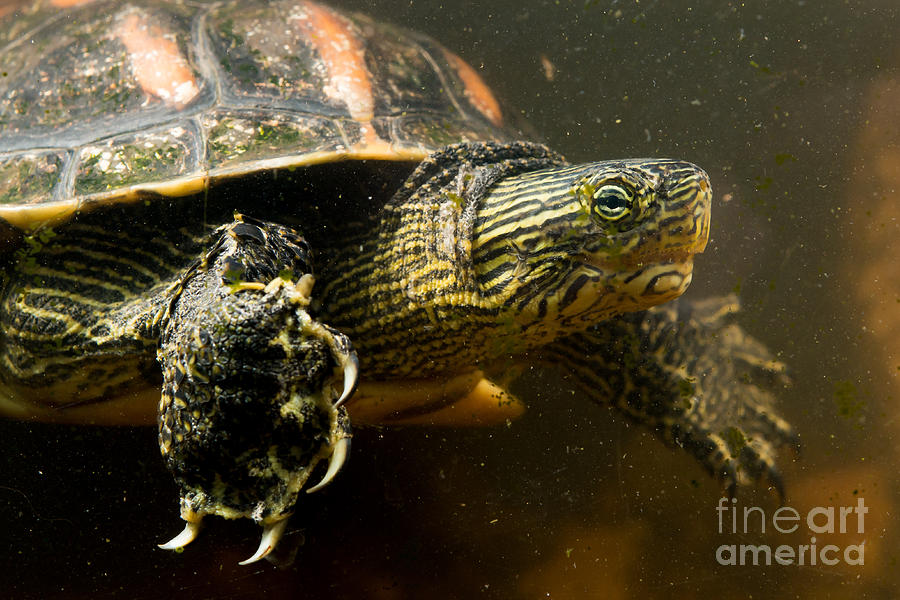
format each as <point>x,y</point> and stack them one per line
<point>565,247</point>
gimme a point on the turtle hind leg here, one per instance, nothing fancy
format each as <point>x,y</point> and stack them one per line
<point>251,382</point>
<point>695,378</point>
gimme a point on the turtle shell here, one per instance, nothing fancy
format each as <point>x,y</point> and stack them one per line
<point>107,102</point>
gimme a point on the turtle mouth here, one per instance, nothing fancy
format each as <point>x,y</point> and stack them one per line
<point>677,246</point>
<point>682,256</point>
<point>654,277</point>
<point>656,282</point>
<point>672,256</point>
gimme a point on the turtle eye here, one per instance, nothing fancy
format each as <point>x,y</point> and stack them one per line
<point>612,202</point>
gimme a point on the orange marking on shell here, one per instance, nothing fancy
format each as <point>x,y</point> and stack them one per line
<point>161,70</point>
<point>342,52</point>
<point>477,91</point>
<point>372,142</point>
<point>68,3</point>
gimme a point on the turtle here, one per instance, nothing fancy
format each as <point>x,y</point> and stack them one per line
<point>259,224</point>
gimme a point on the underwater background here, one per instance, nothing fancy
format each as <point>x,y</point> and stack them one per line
<point>793,108</point>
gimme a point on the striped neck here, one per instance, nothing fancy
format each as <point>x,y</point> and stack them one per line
<point>405,291</point>
<point>526,227</point>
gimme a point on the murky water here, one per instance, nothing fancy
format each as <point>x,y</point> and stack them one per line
<point>791,108</point>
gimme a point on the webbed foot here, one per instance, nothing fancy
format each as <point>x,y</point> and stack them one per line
<point>694,377</point>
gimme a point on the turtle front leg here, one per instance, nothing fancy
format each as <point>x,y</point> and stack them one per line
<point>695,378</point>
<point>249,401</point>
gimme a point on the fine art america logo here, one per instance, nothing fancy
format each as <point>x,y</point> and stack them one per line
<point>819,520</point>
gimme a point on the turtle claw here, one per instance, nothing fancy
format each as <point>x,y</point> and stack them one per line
<point>189,534</point>
<point>351,374</point>
<point>270,537</point>
<point>338,458</point>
